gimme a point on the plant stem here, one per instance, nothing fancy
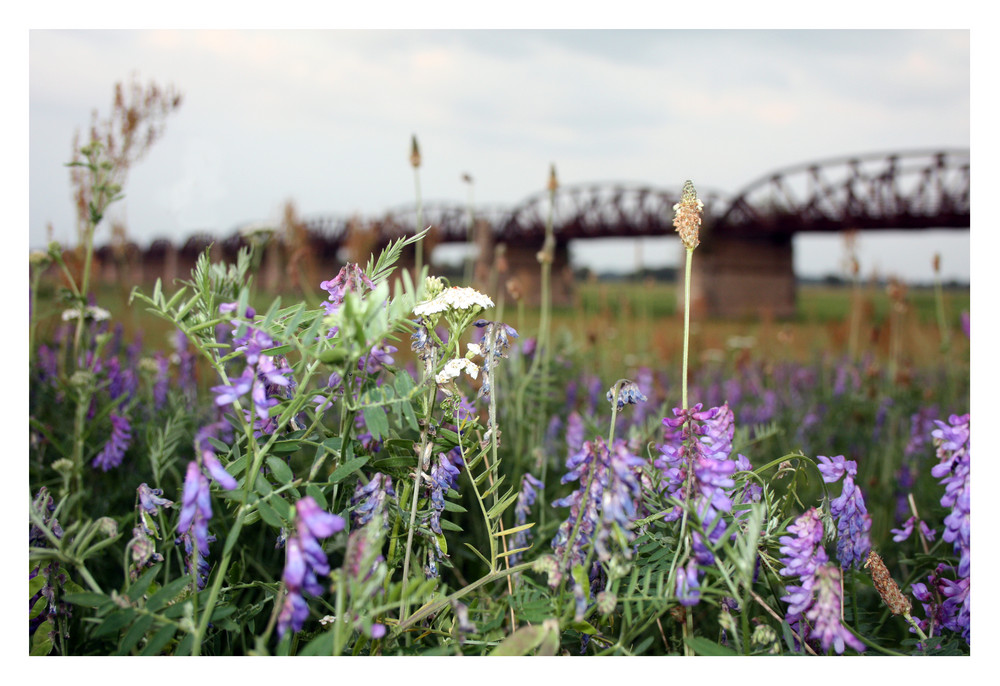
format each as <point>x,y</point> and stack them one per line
<point>423,455</point>
<point>687,327</point>
<point>420,221</point>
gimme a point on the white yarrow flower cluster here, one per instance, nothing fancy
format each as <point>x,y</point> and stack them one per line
<point>455,298</point>
<point>453,369</point>
<point>98,314</point>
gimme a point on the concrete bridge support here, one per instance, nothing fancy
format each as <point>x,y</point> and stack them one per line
<point>514,266</point>
<point>738,277</point>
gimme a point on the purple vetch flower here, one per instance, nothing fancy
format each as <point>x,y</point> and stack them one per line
<point>186,364</point>
<point>161,383</point>
<point>495,346</point>
<point>687,587</point>
<point>443,477</point>
<point>947,603</point>
<point>628,394</point>
<point>621,493</point>
<point>904,533</point>
<point>48,364</point>
<point>350,279</point>
<point>192,526</point>
<point>378,358</point>
<point>265,377</point>
<point>953,471</point>
<point>206,453</point>
<point>150,502</point>
<point>368,500</point>
<point>694,465</point>
<point>824,614</point>
<point>114,450</point>
<point>525,500</point>
<point>574,432</point>
<point>853,521</point>
<point>305,561</point>
<point>143,550</point>
<point>43,507</point>
<point>605,502</point>
<point>804,554</point>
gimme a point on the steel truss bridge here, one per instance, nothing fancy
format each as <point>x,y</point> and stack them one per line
<point>905,190</point>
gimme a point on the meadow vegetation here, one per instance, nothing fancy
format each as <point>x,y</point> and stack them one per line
<point>385,463</point>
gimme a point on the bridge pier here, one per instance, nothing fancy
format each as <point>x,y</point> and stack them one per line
<point>519,267</point>
<point>739,277</point>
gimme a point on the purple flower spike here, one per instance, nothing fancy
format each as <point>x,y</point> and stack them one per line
<point>525,499</point>
<point>953,470</point>
<point>196,511</point>
<point>304,561</point>
<point>824,615</point>
<point>114,450</point>
<point>853,521</point>
<point>804,554</point>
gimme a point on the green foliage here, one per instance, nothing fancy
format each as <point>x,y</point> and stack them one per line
<point>434,570</point>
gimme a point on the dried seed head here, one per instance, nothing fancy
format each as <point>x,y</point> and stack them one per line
<point>886,586</point>
<point>687,216</point>
<point>553,182</point>
<point>414,152</point>
<point>514,288</point>
<point>937,263</point>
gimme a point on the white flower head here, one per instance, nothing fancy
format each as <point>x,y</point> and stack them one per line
<point>474,350</point>
<point>453,299</point>
<point>93,312</point>
<point>453,369</point>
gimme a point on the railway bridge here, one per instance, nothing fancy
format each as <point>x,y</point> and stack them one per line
<point>744,264</point>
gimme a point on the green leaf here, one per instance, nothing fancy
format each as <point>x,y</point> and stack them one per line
<point>38,607</point>
<point>285,447</point>
<point>137,589</point>
<point>159,640</point>
<point>280,470</point>
<point>167,593</point>
<point>135,632</point>
<point>396,467</point>
<point>478,554</point>
<point>376,421</point>
<point>115,622</point>
<point>268,514</point>
<point>41,644</point>
<point>321,645</point>
<point>35,585</point>
<point>87,599</point>
<point>582,627</point>
<point>314,492</point>
<point>520,642</point>
<point>348,468</point>
<point>449,526</point>
<point>704,646</point>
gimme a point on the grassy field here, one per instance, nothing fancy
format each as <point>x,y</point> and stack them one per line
<point>621,323</point>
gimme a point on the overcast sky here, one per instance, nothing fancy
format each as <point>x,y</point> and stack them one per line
<point>325,119</point>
